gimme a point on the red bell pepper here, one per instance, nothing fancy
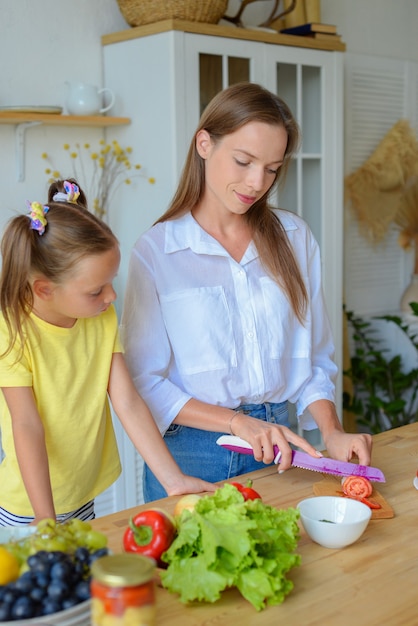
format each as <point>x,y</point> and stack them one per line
<point>150,533</point>
<point>247,491</point>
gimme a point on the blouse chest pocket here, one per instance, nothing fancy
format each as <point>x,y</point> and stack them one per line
<point>287,336</point>
<point>199,327</point>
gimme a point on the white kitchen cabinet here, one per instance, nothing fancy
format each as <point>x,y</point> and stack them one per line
<point>164,74</point>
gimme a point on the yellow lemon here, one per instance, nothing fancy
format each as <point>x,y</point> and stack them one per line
<point>9,567</point>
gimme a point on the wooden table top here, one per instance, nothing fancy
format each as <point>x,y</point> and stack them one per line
<point>373,581</point>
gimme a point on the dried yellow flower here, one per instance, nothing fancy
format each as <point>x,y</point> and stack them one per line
<point>99,172</point>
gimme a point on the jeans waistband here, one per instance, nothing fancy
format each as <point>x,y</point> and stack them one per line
<point>267,406</point>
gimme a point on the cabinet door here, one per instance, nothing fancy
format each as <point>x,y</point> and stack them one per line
<point>213,63</point>
<point>310,82</point>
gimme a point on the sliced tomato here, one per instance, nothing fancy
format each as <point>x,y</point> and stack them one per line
<point>357,486</point>
<point>371,503</point>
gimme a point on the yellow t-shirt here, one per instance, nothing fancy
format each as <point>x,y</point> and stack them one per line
<point>68,369</point>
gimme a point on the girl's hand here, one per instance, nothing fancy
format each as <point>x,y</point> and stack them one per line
<point>41,518</point>
<point>184,484</point>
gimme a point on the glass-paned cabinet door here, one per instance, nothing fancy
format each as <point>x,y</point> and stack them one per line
<point>299,86</point>
<point>214,63</point>
<point>214,69</point>
<point>312,148</point>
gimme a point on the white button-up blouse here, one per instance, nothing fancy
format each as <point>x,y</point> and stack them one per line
<point>198,324</point>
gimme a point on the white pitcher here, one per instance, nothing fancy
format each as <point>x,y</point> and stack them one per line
<point>84,99</point>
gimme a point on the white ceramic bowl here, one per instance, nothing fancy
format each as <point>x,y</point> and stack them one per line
<point>333,521</point>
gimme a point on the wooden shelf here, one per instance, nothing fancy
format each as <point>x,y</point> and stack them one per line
<point>24,121</point>
<point>11,117</point>
<point>220,30</point>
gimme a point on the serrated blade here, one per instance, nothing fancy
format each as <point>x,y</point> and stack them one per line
<point>306,461</point>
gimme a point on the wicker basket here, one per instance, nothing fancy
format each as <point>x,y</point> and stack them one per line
<point>140,12</point>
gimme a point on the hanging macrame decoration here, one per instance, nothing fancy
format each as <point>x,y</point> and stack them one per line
<point>376,190</point>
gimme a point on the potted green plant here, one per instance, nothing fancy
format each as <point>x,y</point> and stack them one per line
<point>384,394</point>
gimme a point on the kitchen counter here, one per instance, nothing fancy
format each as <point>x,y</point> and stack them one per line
<point>373,581</point>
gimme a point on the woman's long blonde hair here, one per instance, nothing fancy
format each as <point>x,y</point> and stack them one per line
<point>228,111</point>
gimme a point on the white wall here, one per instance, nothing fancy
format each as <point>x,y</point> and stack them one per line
<point>42,45</point>
<point>377,27</point>
<point>45,43</point>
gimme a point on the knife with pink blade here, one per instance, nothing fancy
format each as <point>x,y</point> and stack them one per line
<point>306,461</point>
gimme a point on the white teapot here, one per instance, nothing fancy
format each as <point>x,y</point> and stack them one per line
<point>84,99</point>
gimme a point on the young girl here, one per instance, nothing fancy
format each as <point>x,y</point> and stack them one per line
<point>61,359</point>
<point>227,293</point>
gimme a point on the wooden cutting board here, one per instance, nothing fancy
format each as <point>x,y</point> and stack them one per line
<point>331,486</point>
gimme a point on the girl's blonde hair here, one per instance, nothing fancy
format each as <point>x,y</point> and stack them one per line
<point>72,233</point>
<point>228,111</point>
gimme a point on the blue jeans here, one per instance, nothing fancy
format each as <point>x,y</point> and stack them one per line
<point>197,454</point>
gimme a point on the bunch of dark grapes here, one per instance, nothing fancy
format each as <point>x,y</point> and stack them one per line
<point>53,582</point>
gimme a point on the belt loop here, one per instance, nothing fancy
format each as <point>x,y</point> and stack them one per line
<point>267,406</point>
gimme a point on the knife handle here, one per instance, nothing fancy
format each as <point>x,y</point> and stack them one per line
<point>236,444</point>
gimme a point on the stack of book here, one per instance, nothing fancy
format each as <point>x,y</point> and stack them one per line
<point>316,30</point>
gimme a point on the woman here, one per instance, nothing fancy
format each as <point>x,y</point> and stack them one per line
<point>224,321</point>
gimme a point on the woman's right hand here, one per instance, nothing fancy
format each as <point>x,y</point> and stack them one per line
<point>263,436</point>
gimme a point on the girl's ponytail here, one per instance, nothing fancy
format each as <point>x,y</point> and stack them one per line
<point>16,297</point>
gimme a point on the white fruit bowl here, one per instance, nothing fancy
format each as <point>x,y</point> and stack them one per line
<point>333,521</point>
<point>14,533</point>
<point>78,615</point>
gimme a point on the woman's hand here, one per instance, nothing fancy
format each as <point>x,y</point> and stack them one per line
<point>345,446</point>
<point>340,445</point>
<point>262,436</point>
